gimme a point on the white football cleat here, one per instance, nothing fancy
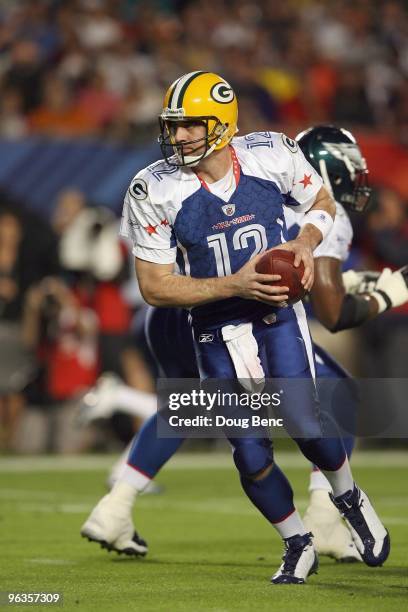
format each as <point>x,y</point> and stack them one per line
<point>299,561</point>
<point>369,534</point>
<point>100,401</point>
<point>111,526</point>
<point>331,536</point>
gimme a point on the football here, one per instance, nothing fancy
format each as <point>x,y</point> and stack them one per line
<point>279,261</point>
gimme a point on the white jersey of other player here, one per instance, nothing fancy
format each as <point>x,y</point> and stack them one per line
<point>337,243</point>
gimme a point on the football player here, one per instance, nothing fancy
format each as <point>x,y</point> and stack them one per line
<point>340,301</point>
<point>214,204</point>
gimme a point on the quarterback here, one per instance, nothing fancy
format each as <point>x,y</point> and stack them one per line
<point>213,205</point>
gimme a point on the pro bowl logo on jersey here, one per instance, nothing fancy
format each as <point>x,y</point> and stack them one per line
<point>228,209</point>
<point>222,93</point>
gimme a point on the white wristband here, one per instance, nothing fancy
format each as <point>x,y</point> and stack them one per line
<point>382,304</point>
<point>320,219</point>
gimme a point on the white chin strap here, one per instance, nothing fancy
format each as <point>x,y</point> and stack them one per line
<point>325,176</point>
<point>193,160</point>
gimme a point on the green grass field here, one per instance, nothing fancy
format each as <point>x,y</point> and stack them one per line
<point>209,549</point>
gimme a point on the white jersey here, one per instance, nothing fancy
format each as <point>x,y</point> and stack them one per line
<point>170,216</point>
<point>158,194</point>
<point>337,243</point>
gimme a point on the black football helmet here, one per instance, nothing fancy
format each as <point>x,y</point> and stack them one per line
<point>335,155</point>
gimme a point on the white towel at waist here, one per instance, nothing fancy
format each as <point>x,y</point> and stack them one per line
<point>243,349</point>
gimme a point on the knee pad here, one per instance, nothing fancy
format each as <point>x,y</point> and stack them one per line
<point>326,453</point>
<point>252,456</point>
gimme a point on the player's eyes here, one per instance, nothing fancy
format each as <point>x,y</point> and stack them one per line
<point>172,127</point>
<point>193,124</point>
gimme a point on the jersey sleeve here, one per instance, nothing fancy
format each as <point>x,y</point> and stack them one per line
<point>337,242</point>
<point>302,182</point>
<point>146,225</point>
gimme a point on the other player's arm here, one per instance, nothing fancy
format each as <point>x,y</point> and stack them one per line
<point>312,232</point>
<point>160,286</point>
<point>338,310</point>
<point>333,307</point>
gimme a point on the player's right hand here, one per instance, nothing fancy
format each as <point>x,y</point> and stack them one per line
<point>251,285</point>
<point>392,287</point>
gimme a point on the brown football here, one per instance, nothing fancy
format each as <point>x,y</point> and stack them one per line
<point>280,262</point>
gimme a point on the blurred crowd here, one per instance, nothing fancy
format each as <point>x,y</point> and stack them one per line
<point>69,305</point>
<point>99,67</point>
<point>66,316</point>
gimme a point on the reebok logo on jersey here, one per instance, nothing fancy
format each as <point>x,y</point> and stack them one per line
<point>206,337</point>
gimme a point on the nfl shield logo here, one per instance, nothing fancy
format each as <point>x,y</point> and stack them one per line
<point>228,209</point>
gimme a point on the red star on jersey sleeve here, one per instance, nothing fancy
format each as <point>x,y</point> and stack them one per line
<point>302,181</point>
<point>306,180</point>
<point>146,224</point>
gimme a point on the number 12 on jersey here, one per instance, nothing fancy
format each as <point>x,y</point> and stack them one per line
<point>218,243</point>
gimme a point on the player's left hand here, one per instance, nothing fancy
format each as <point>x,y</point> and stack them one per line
<point>303,253</point>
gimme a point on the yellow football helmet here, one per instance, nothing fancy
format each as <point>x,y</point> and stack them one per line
<point>198,96</point>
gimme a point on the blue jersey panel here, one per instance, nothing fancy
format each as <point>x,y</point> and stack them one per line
<point>218,238</point>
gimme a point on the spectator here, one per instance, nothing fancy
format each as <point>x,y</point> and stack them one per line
<point>349,70</point>
<point>22,262</point>
<point>62,333</point>
<point>387,237</point>
<point>13,124</point>
<point>26,73</point>
<point>351,105</point>
<point>59,114</point>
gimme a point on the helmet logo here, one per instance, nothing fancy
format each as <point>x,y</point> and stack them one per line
<point>222,93</point>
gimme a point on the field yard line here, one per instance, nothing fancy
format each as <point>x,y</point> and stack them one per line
<point>43,561</point>
<point>36,495</point>
<point>192,461</point>
<point>54,508</point>
<point>236,506</point>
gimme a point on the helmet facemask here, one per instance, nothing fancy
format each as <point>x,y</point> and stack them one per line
<point>174,153</point>
<point>349,185</point>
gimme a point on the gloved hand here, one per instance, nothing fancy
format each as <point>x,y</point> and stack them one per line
<point>360,282</point>
<point>391,289</point>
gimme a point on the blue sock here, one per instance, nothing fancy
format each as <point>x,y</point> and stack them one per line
<point>272,495</point>
<point>149,452</point>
